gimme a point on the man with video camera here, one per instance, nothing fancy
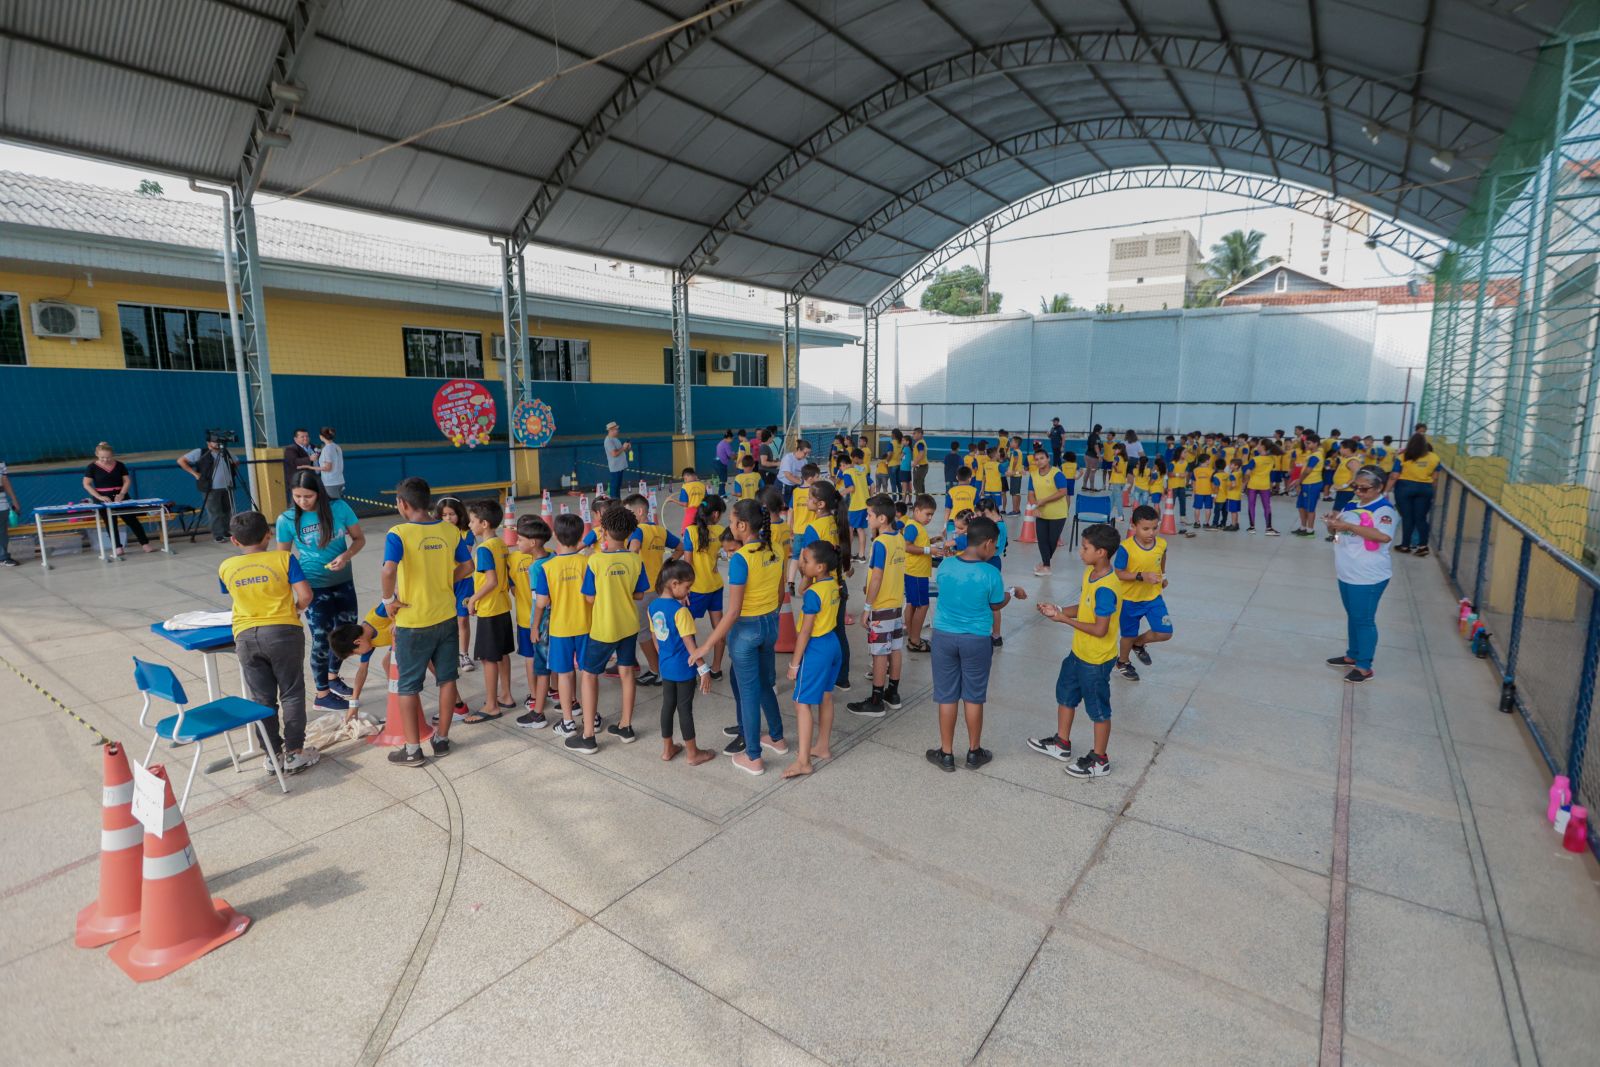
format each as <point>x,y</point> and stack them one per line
<point>214,471</point>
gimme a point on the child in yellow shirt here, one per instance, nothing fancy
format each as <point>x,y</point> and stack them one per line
<point>613,581</point>
<point>491,603</point>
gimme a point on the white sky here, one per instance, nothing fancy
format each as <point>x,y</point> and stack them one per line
<point>1062,249</point>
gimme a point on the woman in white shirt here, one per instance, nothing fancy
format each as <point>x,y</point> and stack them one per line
<point>330,462</point>
<point>1135,448</point>
<point>1364,533</point>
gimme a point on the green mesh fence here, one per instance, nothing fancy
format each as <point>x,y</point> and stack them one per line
<point>1514,350</point>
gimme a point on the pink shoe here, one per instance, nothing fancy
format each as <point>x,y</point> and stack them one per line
<point>780,746</point>
<point>748,765</point>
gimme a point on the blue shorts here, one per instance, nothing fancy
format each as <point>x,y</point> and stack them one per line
<point>1342,498</point>
<point>961,667</point>
<point>1277,477</point>
<point>858,519</point>
<point>1309,496</point>
<point>538,651</point>
<point>819,669</point>
<point>916,591</point>
<point>1071,483</point>
<point>1233,506</point>
<point>415,649</point>
<point>1202,502</point>
<point>566,653</point>
<point>700,603</point>
<point>1153,612</point>
<point>596,654</point>
<point>1088,684</point>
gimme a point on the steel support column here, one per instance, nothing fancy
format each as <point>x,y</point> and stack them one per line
<point>682,405</point>
<point>791,365</point>
<point>869,370</point>
<point>252,323</point>
<point>514,321</point>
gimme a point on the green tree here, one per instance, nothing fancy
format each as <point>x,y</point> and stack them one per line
<point>959,292</point>
<point>1237,256</point>
<point>1059,304</point>
<point>147,187</point>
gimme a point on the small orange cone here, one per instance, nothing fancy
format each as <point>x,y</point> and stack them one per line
<point>1127,498</point>
<point>508,524</point>
<point>1028,535</point>
<point>786,631</point>
<point>394,731</point>
<point>178,920</point>
<point>1169,515</point>
<point>115,913</point>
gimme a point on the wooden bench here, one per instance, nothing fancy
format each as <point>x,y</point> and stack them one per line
<point>463,491</point>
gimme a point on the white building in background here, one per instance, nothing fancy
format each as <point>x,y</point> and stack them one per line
<point>1153,271</point>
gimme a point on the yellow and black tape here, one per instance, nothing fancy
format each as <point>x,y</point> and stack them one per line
<point>99,738</point>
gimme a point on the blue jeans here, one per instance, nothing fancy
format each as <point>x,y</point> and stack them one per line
<point>1414,501</point>
<point>331,606</point>
<point>616,485</point>
<point>1361,620</point>
<point>752,647</point>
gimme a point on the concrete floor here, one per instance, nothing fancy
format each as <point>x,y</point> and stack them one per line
<point>517,904</point>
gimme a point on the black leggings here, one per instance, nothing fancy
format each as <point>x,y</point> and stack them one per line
<point>677,697</point>
<point>842,632</point>
<point>134,526</point>
<point>1049,533</point>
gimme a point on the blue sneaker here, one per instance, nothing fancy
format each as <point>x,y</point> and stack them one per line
<point>338,686</point>
<point>331,702</point>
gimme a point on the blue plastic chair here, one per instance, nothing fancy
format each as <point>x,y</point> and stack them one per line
<point>195,725</point>
<point>1091,508</point>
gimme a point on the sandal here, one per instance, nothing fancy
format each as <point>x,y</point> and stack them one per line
<point>917,646</point>
<point>478,716</point>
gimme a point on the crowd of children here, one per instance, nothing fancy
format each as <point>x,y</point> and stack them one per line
<point>579,605</point>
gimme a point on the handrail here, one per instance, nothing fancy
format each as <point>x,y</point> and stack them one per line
<point>1538,539</point>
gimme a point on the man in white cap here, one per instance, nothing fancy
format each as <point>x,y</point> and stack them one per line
<point>616,459</point>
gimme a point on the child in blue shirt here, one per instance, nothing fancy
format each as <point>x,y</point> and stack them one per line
<point>672,626</point>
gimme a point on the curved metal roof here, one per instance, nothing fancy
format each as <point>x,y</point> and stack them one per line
<point>774,141</point>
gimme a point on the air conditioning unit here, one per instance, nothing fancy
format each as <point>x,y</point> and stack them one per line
<point>52,318</point>
<point>721,362</point>
<point>498,351</point>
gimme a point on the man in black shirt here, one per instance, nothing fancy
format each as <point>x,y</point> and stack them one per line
<point>1058,437</point>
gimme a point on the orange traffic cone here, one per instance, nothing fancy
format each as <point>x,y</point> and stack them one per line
<point>394,730</point>
<point>178,920</point>
<point>115,913</point>
<point>786,631</point>
<point>1028,536</point>
<point>508,531</point>
<point>1127,498</point>
<point>1169,515</point>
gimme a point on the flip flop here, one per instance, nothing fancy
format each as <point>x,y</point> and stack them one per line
<point>478,716</point>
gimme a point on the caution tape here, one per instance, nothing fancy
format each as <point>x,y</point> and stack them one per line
<point>374,503</point>
<point>100,738</point>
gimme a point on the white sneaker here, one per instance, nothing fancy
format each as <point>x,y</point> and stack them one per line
<point>295,762</point>
<point>466,663</point>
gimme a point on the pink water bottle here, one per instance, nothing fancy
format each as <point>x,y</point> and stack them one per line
<point>1366,520</point>
<point>1560,797</point>
<point>1465,610</point>
<point>1576,839</point>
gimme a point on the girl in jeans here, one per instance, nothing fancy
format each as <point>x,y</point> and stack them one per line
<point>750,626</point>
<point>1364,532</point>
<point>1412,486</point>
<point>325,534</point>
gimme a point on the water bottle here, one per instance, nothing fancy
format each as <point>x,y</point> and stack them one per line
<point>1576,837</point>
<point>1560,797</point>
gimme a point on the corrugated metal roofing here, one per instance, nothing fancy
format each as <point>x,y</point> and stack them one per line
<point>71,207</point>
<point>752,150</point>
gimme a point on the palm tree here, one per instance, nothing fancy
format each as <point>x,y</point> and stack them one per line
<point>1237,256</point>
<point>1059,304</point>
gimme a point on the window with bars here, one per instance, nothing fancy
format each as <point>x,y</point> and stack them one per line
<point>749,368</point>
<point>167,338</point>
<point>697,367</point>
<point>12,351</point>
<point>434,353</point>
<point>558,359</point>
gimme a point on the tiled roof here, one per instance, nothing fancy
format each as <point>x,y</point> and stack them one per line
<point>51,203</point>
<point>1503,292</point>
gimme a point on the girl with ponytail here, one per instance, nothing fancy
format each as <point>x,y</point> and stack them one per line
<point>704,543</point>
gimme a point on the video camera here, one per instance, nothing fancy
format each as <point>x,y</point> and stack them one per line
<point>223,437</point>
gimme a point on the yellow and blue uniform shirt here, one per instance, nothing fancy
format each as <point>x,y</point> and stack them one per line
<point>820,528</point>
<point>917,565</point>
<point>858,486</point>
<point>652,542</point>
<point>760,571</point>
<point>963,496</point>
<point>889,556</point>
<point>560,582</point>
<point>426,555</point>
<point>490,558</point>
<point>1419,470</point>
<point>613,579</point>
<point>1132,556</point>
<point>822,600</point>
<point>1098,598</point>
<point>1042,484</point>
<point>262,587</point>
<point>703,557</point>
